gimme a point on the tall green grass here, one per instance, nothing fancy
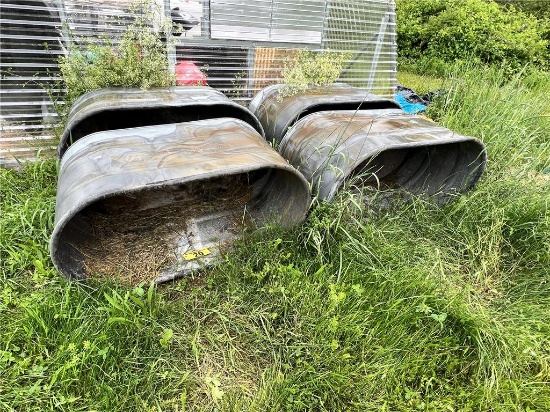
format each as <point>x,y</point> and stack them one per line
<point>415,307</point>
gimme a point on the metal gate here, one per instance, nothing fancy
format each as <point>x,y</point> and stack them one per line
<point>240,45</point>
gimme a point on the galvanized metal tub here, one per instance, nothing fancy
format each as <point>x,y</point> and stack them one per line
<point>116,108</point>
<point>384,149</point>
<point>277,111</point>
<point>152,199</point>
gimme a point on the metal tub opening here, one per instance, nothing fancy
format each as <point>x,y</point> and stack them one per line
<point>154,202</point>
<point>147,233</point>
<point>439,170</point>
<point>123,119</point>
<point>366,105</point>
<point>384,149</point>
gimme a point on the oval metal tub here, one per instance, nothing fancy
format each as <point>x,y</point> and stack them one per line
<point>384,149</point>
<point>144,203</point>
<point>277,112</point>
<point>117,108</point>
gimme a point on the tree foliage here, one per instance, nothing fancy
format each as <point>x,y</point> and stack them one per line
<point>451,30</point>
<point>538,8</point>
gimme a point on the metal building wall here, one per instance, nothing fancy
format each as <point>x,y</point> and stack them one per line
<point>240,45</point>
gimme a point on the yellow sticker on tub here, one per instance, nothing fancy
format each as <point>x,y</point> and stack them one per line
<point>195,254</point>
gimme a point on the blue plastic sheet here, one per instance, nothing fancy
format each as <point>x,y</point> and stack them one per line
<point>411,108</point>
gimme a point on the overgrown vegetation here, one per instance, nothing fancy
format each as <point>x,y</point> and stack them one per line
<point>307,68</point>
<point>416,307</point>
<point>433,34</point>
<point>538,8</point>
<point>135,58</point>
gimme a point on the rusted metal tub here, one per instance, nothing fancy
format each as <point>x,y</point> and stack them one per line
<point>111,109</point>
<point>143,203</point>
<point>277,112</point>
<point>340,133</point>
<point>384,149</point>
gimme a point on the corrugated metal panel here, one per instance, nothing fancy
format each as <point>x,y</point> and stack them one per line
<point>241,46</point>
<point>29,46</point>
<point>298,21</point>
<point>240,19</point>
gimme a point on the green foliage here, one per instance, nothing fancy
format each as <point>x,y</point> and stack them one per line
<point>308,68</point>
<point>26,219</point>
<point>137,58</point>
<point>421,84</point>
<point>445,31</point>
<point>537,8</point>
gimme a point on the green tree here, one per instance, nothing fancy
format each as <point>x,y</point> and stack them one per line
<point>451,30</point>
<point>538,8</point>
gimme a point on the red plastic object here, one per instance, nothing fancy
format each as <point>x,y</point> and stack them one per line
<point>188,74</point>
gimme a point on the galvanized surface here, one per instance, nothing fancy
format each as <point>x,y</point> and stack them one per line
<point>277,111</point>
<point>110,109</point>
<point>384,149</point>
<point>216,177</point>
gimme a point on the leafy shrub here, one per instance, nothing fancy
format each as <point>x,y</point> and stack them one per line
<point>535,7</point>
<point>451,30</point>
<point>308,68</point>
<point>137,59</point>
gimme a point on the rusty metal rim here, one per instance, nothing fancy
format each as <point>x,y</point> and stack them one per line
<point>256,100</point>
<point>378,112</point>
<point>109,90</point>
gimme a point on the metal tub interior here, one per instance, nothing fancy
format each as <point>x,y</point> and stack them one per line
<point>154,198</point>
<point>111,109</point>
<point>383,149</point>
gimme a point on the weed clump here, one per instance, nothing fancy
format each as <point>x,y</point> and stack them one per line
<point>308,68</point>
<point>136,58</point>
